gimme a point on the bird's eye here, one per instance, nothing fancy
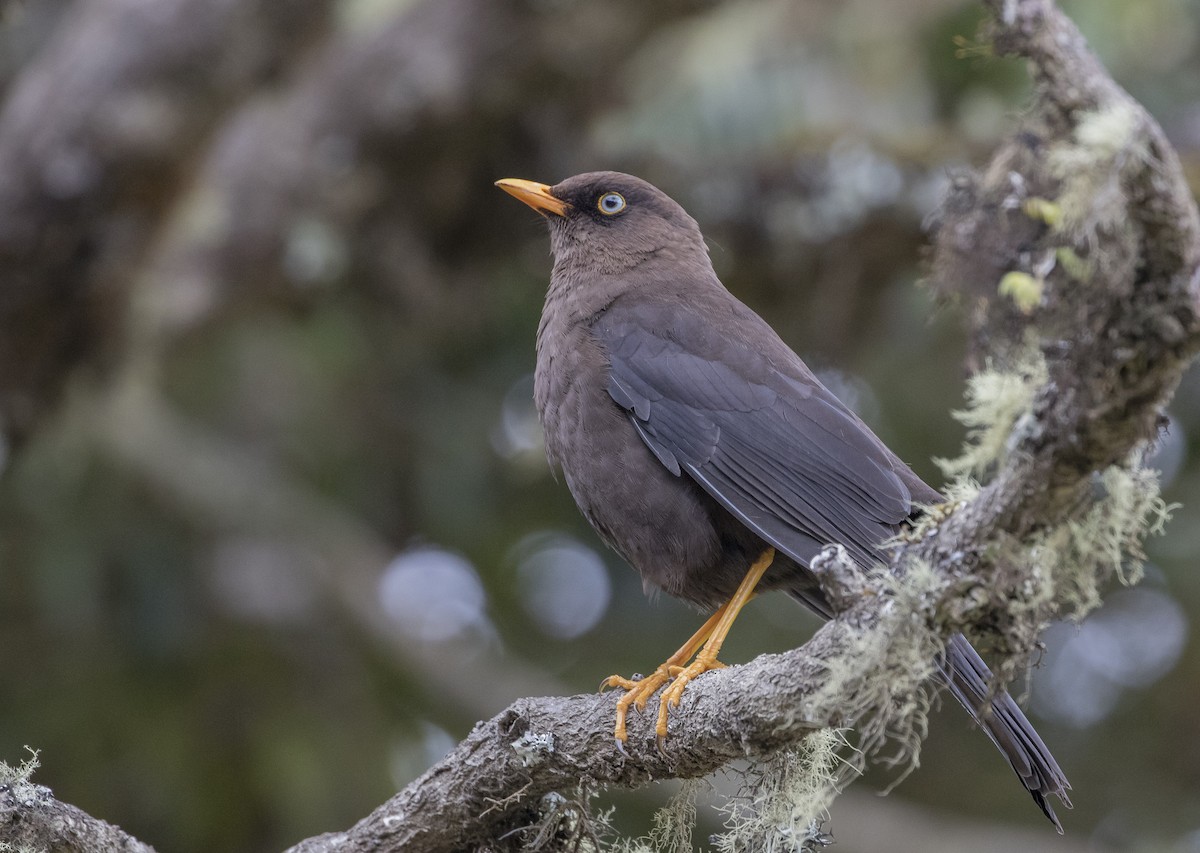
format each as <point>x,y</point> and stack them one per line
<point>611,203</point>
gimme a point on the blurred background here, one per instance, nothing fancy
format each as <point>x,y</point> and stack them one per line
<point>276,526</point>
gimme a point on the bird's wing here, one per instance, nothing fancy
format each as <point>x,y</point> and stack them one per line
<point>766,440</point>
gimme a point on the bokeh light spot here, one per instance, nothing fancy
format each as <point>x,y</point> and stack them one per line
<point>518,434</point>
<point>564,585</point>
<point>1130,643</point>
<point>432,594</point>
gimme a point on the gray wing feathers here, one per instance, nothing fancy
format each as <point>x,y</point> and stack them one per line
<point>783,455</point>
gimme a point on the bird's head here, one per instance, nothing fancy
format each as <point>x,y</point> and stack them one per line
<point>610,222</point>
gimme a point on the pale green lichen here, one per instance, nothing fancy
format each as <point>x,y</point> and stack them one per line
<point>1023,289</point>
<point>19,776</point>
<point>1073,265</point>
<point>1043,210</point>
<point>995,400</point>
<point>1105,133</point>
<point>892,667</point>
<point>1066,564</point>
<point>1090,164</point>
<point>785,800</point>
<point>957,494</point>
<point>880,681</point>
<point>18,781</point>
<point>673,823</point>
<point>1106,541</point>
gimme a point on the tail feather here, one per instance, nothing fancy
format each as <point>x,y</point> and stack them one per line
<point>1003,721</point>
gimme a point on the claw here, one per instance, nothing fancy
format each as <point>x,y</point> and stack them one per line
<point>637,692</point>
<point>617,681</point>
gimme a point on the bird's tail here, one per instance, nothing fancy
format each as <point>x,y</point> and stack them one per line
<point>968,678</point>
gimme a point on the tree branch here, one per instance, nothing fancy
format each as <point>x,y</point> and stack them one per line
<point>31,819</point>
<point>493,782</point>
<point>1086,199</point>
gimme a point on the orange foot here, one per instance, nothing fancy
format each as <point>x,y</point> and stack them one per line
<point>673,694</point>
<point>704,645</point>
<point>637,693</point>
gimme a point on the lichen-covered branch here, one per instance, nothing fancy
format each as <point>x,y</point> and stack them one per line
<point>32,819</point>
<point>1077,253</point>
<point>491,787</point>
<point>323,169</point>
<point>493,783</point>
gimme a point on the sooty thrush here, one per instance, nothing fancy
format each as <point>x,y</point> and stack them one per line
<point>704,451</point>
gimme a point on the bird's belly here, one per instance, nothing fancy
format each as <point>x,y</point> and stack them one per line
<point>676,536</point>
<point>664,525</point>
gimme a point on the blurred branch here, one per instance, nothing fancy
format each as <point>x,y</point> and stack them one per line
<point>349,148</point>
<point>96,137</point>
<point>104,132</point>
<point>230,489</point>
<point>493,780</point>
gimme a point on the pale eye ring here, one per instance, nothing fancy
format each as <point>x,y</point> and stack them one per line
<point>611,203</point>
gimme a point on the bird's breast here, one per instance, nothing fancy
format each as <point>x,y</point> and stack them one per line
<point>662,524</point>
<point>578,418</point>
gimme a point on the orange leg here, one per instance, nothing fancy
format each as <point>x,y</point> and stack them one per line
<point>707,641</point>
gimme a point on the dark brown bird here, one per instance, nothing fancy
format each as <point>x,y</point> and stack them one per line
<point>704,451</point>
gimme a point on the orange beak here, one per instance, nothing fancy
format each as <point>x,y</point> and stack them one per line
<point>535,195</point>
